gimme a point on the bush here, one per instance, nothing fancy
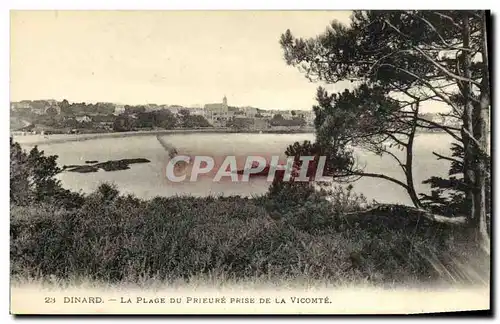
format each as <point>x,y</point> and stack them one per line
<point>312,209</point>
<point>294,231</point>
<point>32,179</point>
<point>122,238</point>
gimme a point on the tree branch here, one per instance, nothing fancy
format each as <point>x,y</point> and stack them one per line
<point>445,70</point>
<point>448,18</point>
<point>373,175</point>
<point>438,125</point>
<point>435,30</point>
<point>397,159</point>
<point>447,129</point>
<point>431,60</point>
<point>442,157</point>
<point>425,82</point>
<point>395,139</point>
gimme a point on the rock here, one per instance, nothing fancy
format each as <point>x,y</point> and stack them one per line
<point>112,165</point>
<point>83,169</point>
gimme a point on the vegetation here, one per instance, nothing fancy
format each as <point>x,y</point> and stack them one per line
<point>192,121</point>
<point>83,108</point>
<point>123,124</point>
<point>158,119</point>
<point>32,180</point>
<point>294,231</point>
<point>101,118</point>
<point>240,123</point>
<point>396,61</point>
<point>279,120</point>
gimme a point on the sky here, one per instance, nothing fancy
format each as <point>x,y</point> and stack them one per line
<point>163,57</point>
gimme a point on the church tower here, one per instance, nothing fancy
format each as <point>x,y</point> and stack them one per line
<point>224,101</point>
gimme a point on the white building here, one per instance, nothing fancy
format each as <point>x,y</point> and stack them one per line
<point>119,109</point>
<point>267,114</point>
<point>83,119</point>
<point>287,114</point>
<point>174,109</point>
<point>20,105</point>
<point>153,107</point>
<point>308,116</point>
<point>250,112</point>
<point>197,112</point>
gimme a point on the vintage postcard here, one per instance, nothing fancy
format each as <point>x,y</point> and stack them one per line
<point>250,162</point>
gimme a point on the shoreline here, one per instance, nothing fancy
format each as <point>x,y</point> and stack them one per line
<point>60,138</point>
<point>30,139</point>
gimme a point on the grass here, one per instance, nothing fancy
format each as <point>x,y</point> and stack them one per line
<point>291,235</point>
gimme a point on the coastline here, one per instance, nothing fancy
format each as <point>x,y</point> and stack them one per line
<point>60,138</point>
<point>39,139</point>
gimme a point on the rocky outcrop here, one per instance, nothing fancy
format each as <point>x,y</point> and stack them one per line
<point>112,165</point>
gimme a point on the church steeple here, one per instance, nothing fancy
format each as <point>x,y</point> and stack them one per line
<point>224,100</point>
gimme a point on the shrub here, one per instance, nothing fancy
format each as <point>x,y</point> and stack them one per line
<point>126,238</point>
<point>294,231</point>
<point>312,209</point>
<point>33,179</point>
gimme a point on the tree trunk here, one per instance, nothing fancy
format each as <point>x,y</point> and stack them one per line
<point>482,135</point>
<point>476,121</point>
<point>409,161</point>
<point>467,118</point>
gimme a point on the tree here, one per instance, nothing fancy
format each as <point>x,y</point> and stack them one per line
<point>187,120</point>
<point>240,123</point>
<point>19,175</point>
<point>33,179</point>
<point>184,112</point>
<point>105,108</point>
<point>279,120</point>
<point>130,110</point>
<point>184,115</point>
<point>165,119</point>
<point>70,122</point>
<point>122,124</point>
<point>448,195</point>
<point>90,108</point>
<point>413,57</point>
<point>145,120</point>
<point>64,105</point>
<point>367,118</point>
<point>51,111</point>
<point>298,121</point>
<point>195,121</point>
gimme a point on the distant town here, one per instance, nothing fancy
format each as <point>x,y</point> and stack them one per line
<point>56,117</point>
<point>59,117</point>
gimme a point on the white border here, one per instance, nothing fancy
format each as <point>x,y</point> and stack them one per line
<point>178,5</point>
<point>245,5</point>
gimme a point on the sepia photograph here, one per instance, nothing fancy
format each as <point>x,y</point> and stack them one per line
<point>259,162</point>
